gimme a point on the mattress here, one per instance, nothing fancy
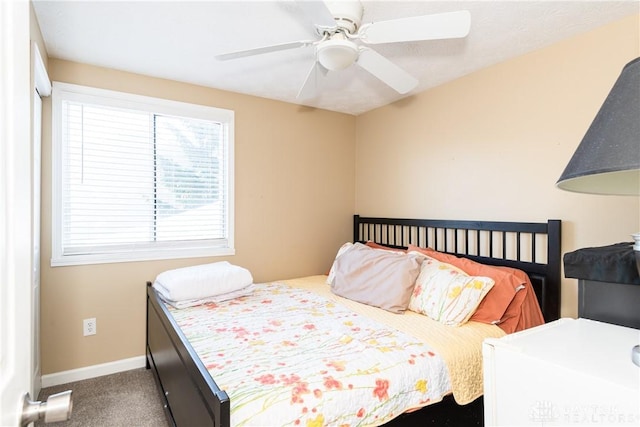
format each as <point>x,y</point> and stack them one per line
<point>459,346</point>
<point>293,353</point>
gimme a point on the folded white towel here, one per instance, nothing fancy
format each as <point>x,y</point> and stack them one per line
<point>202,281</point>
<point>218,298</point>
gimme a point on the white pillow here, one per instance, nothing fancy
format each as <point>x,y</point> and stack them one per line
<point>380,278</point>
<point>447,294</point>
<point>332,271</point>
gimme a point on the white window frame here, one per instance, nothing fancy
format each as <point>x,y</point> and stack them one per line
<point>157,250</point>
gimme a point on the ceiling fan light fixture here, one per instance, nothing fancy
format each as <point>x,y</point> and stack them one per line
<point>337,54</point>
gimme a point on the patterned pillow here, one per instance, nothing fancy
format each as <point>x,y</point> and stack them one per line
<point>502,297</point>
<point>447,294</point>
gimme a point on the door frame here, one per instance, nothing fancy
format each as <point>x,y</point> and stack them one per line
<point>41,89</point>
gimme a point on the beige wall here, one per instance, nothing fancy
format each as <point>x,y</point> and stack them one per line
<point>491,145</point>
<point>294,199</point>
<point>488,146</point>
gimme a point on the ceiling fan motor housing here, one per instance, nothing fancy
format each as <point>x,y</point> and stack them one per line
<point>347,14</point>
<point>338,52</point>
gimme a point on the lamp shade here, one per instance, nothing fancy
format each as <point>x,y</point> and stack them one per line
<point>607,160</point>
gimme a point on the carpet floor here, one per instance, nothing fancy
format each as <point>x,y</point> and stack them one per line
<point>125,399</point>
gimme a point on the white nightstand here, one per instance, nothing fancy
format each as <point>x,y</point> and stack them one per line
<point>568,372</point>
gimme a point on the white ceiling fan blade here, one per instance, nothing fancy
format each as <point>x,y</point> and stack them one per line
<point>264,49</point>
<point>318,12</point>
<point>427,27</point>
<point>312,82</point>
<point>386,71</point>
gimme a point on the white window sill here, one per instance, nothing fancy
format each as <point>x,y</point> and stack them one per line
<point>69,260</point>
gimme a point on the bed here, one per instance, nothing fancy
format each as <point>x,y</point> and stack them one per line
<point>192,396</point>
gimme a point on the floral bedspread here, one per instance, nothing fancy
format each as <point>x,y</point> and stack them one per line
<point>289,357</point>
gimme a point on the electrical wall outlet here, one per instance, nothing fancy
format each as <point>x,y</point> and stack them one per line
<point>89,326</point>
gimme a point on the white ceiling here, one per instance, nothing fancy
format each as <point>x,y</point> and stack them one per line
<point>177,40</point>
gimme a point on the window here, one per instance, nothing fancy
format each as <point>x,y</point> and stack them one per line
<point>139,178</point>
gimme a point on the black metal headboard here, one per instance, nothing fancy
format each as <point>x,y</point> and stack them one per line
<point>529,246</point>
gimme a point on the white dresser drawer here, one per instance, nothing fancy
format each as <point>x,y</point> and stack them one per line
<point>568,372</point>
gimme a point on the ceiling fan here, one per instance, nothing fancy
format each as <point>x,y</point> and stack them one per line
<point>341,39</point>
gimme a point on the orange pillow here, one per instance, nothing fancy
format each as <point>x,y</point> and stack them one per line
<point>524,311</point>
<point>494,305</point>
<point>511,317</point>
<point>375,245</point>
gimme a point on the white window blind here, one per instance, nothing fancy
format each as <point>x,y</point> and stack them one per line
<point>139,178</point>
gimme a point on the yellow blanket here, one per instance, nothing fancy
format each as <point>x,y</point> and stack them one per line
<point>460,347</point>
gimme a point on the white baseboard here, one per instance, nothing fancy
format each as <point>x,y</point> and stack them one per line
<point>93,371</point>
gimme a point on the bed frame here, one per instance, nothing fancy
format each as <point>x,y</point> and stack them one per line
<point>192,398</point>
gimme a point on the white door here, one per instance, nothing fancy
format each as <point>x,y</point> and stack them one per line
<point>16,243</point>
